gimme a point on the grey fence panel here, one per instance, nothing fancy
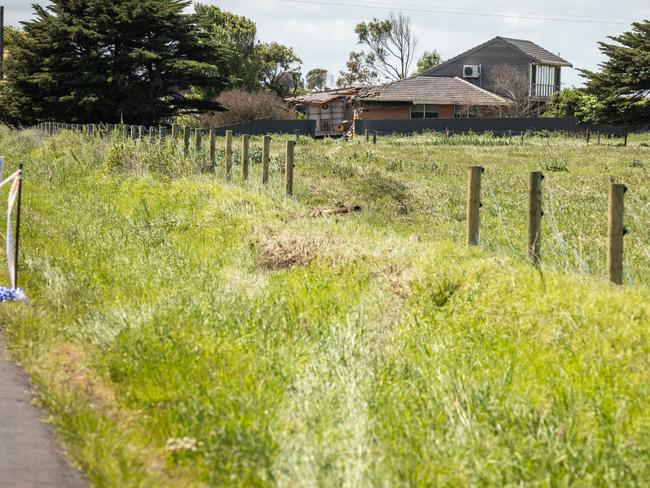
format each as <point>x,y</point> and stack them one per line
<point>495,125</point>
<point>261,127</point>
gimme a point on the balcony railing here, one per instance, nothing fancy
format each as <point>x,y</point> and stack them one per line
<point>543,90</point>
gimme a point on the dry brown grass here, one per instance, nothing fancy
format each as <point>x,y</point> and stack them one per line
<point>282,251</point>
<point>72,376</point>
<point>337,209</point>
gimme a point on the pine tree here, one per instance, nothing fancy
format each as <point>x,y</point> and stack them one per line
<point>109,60</point>
<point>622,87</point>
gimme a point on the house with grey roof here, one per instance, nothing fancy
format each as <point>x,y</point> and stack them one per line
<point>425,97</point>
<point>542,68</point>
<point>418,97</point>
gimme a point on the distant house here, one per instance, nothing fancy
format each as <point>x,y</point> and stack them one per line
<point>463,86</point>
<point>542,68</point>
<point>425,97</point>
<point>420,97</point>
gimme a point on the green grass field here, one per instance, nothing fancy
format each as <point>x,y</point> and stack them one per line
<point>185,331</point>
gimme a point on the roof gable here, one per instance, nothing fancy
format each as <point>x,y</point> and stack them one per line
<point>527,48</point>
<point>536,52</point>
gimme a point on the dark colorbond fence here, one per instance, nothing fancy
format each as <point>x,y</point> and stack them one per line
<point>261,127</point>
<point>496,125</point>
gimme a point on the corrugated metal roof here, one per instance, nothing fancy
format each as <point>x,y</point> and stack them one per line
<point>433,90</point>
<point>537,52</point>
<point>323,96</point>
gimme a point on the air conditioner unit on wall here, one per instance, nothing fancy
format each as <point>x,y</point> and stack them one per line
<point>472,71</point>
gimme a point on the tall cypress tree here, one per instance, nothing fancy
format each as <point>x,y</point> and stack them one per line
<point>110,60</point>
<point>622,87</point>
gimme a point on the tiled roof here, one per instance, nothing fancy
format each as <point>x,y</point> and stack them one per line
<point>433,90</point>
<point>540,54</point>
<point>323,96</point>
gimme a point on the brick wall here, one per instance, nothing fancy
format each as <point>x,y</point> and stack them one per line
<point>446,112</point>
<point>394,112</point>
<point>385,112</point>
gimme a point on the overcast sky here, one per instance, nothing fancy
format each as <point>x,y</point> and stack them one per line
<point>322,31</point>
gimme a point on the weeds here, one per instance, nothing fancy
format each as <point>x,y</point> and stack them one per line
<point>554,161</point>
<point>188,331</point>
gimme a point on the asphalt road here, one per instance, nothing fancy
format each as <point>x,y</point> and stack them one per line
<point>30,456</point>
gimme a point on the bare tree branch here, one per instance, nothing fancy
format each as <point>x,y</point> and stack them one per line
<point>515,85</point>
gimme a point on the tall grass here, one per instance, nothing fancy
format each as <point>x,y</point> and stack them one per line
<point>185,331</point>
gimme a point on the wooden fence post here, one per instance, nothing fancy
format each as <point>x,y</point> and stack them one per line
<point>161,135</point>
<point>133,134</point>
<point>213,148</point>
<point>587,135</point>
<point>289,167</point>
<point>198,139</point>
<point>367,135</point>
<point>245,144</point>
<point>374,137</point>
<point>474,204</point>
<point>266,159</point>
<point>228,154</point>
<point>625,140</point>
<point>174,131</point>
<point>522,137</point>
<point>141,130</point>
<point>616,231</point>
<point>535,214</point>
<point>186,140</point>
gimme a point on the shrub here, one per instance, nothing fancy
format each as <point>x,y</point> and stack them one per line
<point>244,106</point>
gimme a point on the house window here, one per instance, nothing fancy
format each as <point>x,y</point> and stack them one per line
<point>422,111</point>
